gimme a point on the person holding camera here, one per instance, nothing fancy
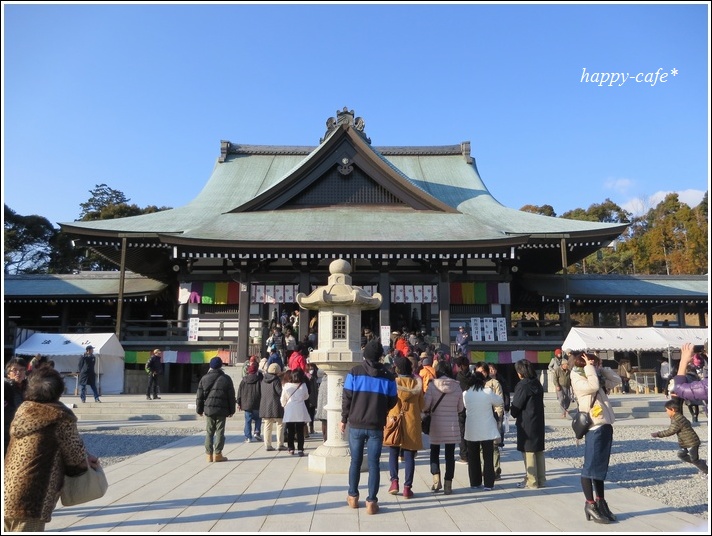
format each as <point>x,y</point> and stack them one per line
<point>685,388</point>
<point>590,383</point>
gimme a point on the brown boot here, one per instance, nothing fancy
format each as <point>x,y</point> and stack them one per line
<point>218,457</point>
<point>448,487</point>
<point>371,507</point>
<point>210,457</point>
<point>352,501</point>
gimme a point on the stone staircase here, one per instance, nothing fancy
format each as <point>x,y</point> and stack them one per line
<point>630,406</point>
<point>181,407</point>
<point>170,407</point>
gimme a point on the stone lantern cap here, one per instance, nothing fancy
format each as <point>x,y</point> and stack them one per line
<point>339,291</point>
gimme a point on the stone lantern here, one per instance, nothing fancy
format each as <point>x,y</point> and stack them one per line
<point>338,350</point>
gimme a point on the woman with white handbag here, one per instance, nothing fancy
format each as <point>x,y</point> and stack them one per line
<point>45,446</point>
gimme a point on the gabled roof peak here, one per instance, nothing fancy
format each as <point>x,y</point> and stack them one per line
<point>345,117</point>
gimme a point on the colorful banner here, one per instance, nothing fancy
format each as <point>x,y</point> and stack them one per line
<point>479,293</point>
<point>194,357</point>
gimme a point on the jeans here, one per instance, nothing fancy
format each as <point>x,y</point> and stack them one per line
<point>83,390</point>
<point>214,434</point>
<point>409,461</point>
<point>373,441</point>
<point>252,415</point>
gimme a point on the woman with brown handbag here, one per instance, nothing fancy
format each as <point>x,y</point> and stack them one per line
<point>410,404</point>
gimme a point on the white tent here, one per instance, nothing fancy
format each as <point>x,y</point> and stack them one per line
<point>65,349</point>
<point>633,339</point>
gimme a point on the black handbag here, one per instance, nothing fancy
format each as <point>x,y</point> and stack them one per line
<point>582,421</point>
<point>425,421</point>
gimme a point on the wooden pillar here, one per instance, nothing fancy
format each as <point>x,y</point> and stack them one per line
<point>622,320</point>
<point>304,288</point>
<point>122,279</point>
<point>384,289</point>
<point>681,315</point>
<point>243,317</point>
<point>444,305</point>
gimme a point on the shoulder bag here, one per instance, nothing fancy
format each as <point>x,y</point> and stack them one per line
<point>87,486</point>
<point>425,422</point>
<point>582,421</point>
<point>393,431</point>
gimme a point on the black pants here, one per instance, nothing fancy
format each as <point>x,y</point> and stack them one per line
<point>461,418</point>
<point>152,385</point>
<point>295,429</point>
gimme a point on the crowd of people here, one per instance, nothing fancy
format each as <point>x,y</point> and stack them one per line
<point>284,394</point>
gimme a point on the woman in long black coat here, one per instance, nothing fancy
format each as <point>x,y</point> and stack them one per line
<point>527,407</point>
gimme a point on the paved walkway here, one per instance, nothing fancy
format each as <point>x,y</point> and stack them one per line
<point>174,490</point>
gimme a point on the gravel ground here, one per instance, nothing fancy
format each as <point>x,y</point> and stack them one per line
<point>647,465</point>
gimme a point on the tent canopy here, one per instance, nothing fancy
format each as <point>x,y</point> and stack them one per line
<point>56,344</point>
<point>65,349</point>
<point>632,339</point>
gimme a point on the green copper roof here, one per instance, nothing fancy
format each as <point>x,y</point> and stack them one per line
<point>46,287</point>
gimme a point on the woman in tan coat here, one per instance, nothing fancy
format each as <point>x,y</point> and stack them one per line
<point>411,402</point>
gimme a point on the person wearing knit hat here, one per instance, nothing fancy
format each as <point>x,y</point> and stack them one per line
<point>215,398</point>
<point>369,393</point>
<point>427,372</point>
<point>271,410</point>
<point>248,400</point>
<point>373,351</point>
<point>556,360</point>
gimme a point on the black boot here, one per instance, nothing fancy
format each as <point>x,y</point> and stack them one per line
<point>591,511</point>
<point>604,510</point>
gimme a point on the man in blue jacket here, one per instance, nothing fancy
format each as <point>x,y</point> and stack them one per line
<point>369,393</point>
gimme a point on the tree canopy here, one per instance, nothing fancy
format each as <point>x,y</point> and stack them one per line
<point>34,246</point>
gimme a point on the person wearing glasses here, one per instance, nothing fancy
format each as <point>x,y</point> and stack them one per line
<point>15,385</point>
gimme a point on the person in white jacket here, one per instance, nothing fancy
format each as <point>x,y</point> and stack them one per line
<point>293,399</point>
<point>481,431</point>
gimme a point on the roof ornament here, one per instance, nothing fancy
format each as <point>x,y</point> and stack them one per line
<point>345,117</point>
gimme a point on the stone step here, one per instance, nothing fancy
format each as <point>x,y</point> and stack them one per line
<point>624,406</point>
<point>181,407</point>
<point>134,408</point>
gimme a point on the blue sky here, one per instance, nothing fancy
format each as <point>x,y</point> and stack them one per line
<point>139,96</point>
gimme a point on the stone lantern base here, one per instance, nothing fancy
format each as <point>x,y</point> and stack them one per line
<point>330,460</point>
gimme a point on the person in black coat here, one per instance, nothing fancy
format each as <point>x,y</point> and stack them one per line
<point>216,399</point>
<point>154,367</point>
<point>249,393</point>
<point>271,410</point>
<point>527,407</point>
<point>14,392</point>
<point>87,374</point>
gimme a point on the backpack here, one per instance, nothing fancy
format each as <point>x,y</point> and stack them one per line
<point>147,368</point>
